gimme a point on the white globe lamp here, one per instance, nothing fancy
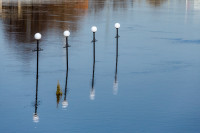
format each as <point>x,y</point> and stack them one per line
<point>66,33</point>
<point>117,25</point>
<point>94,29</point>
<point>38,36</point>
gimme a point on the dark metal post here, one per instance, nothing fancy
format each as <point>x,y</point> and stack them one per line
<point>94,47</point>
<point>116,58</point>
<point>66,41</point>
<point>93,36</point>
<point>37,58</point>
<point>117,33</point>
<point>36,95</point>
<point>67,45</point>
<point>117,46</point>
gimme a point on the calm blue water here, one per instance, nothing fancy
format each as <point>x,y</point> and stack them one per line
<point>157,89</point>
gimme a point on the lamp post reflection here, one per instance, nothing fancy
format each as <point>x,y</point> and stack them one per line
<point>66,34</point>
<point>92,92</point>
<point>65,102</point>
<point>94,29</point>
<point>37,36</point>
<point>115,85</point>
<point>117,26</point>
<point>35,115</point>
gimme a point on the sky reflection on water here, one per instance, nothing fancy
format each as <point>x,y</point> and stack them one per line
<point>151,86</point>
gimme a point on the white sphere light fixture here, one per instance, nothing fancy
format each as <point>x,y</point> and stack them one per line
<point>117,25</point>
<point>66,33</point>
<point>94,29</point>
<point>38,36</point>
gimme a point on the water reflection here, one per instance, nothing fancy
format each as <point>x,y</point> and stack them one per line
<point>156,3</point>
<point>123,4</point>
<point>21,19</point>
<point>197,4</point>
<point>24,18</point>
<point>58,93</point>
<point>98,5</point>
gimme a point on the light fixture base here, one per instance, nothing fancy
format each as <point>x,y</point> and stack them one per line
<point>94,40</point>
<point>37,50</point>
<point>67,46</point>
<point>117,36</point>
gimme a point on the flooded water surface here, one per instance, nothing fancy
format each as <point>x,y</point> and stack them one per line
<point>150,84</point>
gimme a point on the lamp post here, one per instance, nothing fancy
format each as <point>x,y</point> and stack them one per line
<point>94,29</point>
<point>66,34</point>
<point>37,36</point>
<point>117,26</point>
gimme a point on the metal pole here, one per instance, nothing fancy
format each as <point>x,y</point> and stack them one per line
<point>116,58</point>
<point>37,57</point>
<point>117,46</point>
<point>36,95</point>
<point>93,36</point>
<point>67,51</point>
<point>93,47</point>
<point>66,41</point>
<point>117,33</point>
